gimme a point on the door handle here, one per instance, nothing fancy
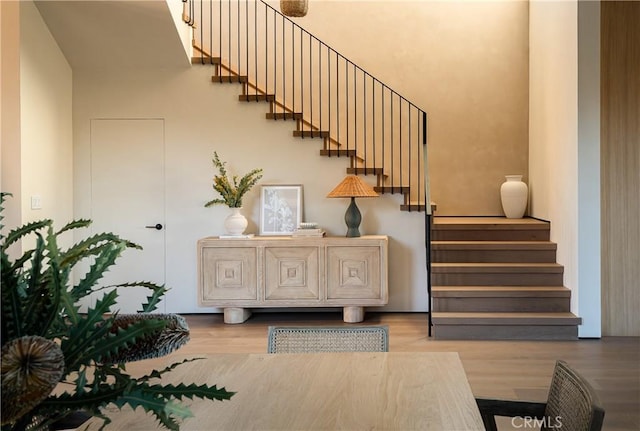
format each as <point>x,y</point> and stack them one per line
<point>156,226</point>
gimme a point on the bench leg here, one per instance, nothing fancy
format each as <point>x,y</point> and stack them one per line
<point>236,315</point>
<point>353,314</point>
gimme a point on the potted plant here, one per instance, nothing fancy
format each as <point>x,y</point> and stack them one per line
<point>48,342</point>
<point>231,193</point>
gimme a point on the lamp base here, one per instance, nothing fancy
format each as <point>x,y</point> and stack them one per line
<point>353,218</point>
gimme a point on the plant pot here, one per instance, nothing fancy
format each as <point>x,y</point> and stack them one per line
<point>514,195</point>
<point>235,223</point>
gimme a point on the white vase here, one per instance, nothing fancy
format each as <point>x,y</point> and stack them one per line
<point>235,223</point>
<point>514,195</point>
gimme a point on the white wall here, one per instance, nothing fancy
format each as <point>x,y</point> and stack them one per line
<point>201,117</point>
<point>46,122</point>
<point>589,178</point>
<point>176,7</point>
<point>556,155</point>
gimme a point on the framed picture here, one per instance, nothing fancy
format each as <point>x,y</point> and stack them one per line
<point>280,209</point>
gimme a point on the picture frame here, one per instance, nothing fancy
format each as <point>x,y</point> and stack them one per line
<point>280,209</point>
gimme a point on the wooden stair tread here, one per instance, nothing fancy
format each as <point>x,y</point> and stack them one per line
<point>487,223</point>
<point>493,245</point>
<point>493,318</point>
<point>311,134</point>
<point>229,79</point>
<point>283,115</point>
<point>256,97</point>
<point>392,189</point>
<point>413,207</point>
<point>365,171</point>
<point>492,267</point>
<point>338,153</point>
<point>205,60</point>
<point>500,291</point>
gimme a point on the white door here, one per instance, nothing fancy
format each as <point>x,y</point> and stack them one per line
<point>127,198</point>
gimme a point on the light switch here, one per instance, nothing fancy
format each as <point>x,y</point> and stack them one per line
<point>36,202</point>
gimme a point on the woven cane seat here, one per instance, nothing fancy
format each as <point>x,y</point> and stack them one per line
<point>328,339</point>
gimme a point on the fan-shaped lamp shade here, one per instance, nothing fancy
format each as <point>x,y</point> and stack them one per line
<point>352,187</point>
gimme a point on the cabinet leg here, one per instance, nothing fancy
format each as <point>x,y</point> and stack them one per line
<point>236,315</point>
<point>353,314</point>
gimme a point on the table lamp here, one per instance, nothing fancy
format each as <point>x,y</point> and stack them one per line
<point>352,187</point>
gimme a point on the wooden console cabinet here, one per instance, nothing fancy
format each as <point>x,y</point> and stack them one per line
<point>261,272</point>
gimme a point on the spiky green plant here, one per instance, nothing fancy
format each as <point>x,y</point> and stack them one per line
<point>40,301</point>
<point>233,191</point>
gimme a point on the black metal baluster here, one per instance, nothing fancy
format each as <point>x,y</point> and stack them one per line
<point>364,118</point>
<point>409,161</point>
<point>338,138</point>
<point>329,87</point>
<point>255,44</point>
<point>211,34</point>
<point>201,37</point>
<point>293,69</point>
<point>275,57</point>
<point>229,44</point>
<point>266,52</point>
<point>424,159</point>
<point>346,74</point>
<point>238,38</point>
<point>301,81</point>
<point>400,100</point>
<point>384,109</point>
<point>320,83</point>
<point>284,73</point>
<point>246,38</point>
<point>310,87</point>
<point>355,109</point>
<point>373,120</point>
<point>392,143</point>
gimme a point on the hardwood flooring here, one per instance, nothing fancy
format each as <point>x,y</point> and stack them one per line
<point>496,369</point>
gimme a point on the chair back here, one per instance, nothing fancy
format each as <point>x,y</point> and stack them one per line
<point>572,404</point>
<point>328,339</point>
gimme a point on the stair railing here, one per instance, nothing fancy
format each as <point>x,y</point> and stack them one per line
<point>357,115</point>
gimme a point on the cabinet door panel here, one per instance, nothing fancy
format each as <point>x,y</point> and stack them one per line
<point>353,272</point>
<point>229,273</point>
<point>291,273</point>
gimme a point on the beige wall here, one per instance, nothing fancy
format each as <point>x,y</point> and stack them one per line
<point>480,116</point>
<point>46,122</point>
<point>201,117</point>
<point>10,109</point>
<point>466,64</point>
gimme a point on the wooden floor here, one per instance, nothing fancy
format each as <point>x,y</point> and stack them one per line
<point>497,369</point>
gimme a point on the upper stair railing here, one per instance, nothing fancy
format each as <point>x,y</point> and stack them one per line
<point>357,116</point>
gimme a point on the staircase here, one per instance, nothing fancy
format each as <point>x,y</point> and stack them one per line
<point>331,100</point>
<point>497,278</point>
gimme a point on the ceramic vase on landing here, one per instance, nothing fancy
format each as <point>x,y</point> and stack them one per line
<point>514,195</point>
<point>235,223</point>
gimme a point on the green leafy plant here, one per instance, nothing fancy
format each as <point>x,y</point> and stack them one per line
<point>231,191</point>
<point>48,342</point>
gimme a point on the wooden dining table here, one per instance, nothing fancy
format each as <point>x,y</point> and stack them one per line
<point>323,391</point>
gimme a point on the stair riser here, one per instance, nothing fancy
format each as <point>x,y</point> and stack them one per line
<point>496,279</point>
<point>507,332</point>
<point>485,256</point>
<point>490,235</point>
<point>544,304</point>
